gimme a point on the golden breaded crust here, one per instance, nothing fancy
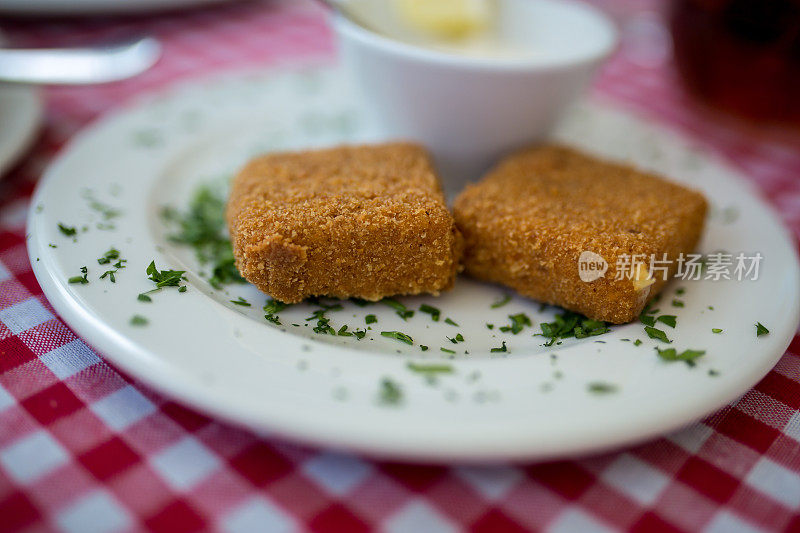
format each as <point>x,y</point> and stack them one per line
<point>527,222</point>
<point>361,221</point>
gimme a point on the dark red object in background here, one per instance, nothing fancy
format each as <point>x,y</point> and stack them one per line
<point>741,56</point>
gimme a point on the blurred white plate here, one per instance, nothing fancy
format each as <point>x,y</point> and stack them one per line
<point>94,7</point>
<point>532,402</point>
<point>20,115</point>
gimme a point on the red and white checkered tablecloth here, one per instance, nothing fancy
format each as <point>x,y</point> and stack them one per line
<point>85,448</point>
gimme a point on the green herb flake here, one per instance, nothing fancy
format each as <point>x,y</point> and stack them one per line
<point>655,333</point>
<point>518,323</point>
<point>390,392</point>
<point>669,320</point>
<point>83,279</point>
<point>343,332</point>
<point>138,320</point>
<point>647,320</point>
<point>687,356</point>
<point>761,330</point>
<point>423,347</point>
<point>430,369</point>
<point>182,288</point>
<point>401,310</point>
<point>502,302</point>
<point>241,301</point>
<point>370,319</point>
<point>490,326</point>
<point>69,231</point>
<point>433,311</point>
<point>716,330</point>
<point>569,324</point>
<point>713,373</point>
<point>445,350</point>
<point>111,255</point>
<point>637,342</point>
<point>144,298</point>
<point>677,303</point>
<point>500,349</point>
<point>450,321</point>
<point>599,387</point>
<point>402,337</point>
<point>203,228</point>
<point>164,278</point>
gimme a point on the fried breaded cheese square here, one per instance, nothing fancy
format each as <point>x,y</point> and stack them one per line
<point>544,213</point>
<point>352,221</point>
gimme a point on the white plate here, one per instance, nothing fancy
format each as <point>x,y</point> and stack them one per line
<point>20,115</point>
<point>228,361</point>
<point>86,7</point>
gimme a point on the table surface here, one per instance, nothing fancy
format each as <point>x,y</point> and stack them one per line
<point>86,448</point>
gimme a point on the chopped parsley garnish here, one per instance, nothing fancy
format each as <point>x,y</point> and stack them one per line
<point>144,298</point>
<point>360,333</point>
<point>669,320</point>
<point>401,310</point>
<point>402,337</point>
<point>760,329</point>
<point>450,321</point>
<point>182,288</point>
<point>647,320</point>
<point>679,291</point>
<point>423,347</point>
<point>323,326</point>
<point>655,333</point>
<point>271,309</point>
<point>111,255</point>
<point>105,210</point>
<point>712,372</point>
<point>390,392</point>
<point>716,330</point>
<point>69,231</point>
<point>433,311</point>
<point>455,340</point>
<point>490,326</point>
<point>343,332</point>
<point>637,342</point>
<point>500,349</point>
<point>430,368</point>
<point>599,387</point>
<point>164,278</point>
<point>82,279</point>
<point>569,324</point>
<point>677,303</point>
<point>445,350</point>
<point>518,323</point>
<point>241,301</point>
<point>138,320</point>
<point>203,228</point>
<point>687,356</point>
<point>501,303</point>
<point>370,319</point>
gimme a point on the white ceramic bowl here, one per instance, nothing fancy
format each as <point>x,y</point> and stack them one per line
<point>469,109</point>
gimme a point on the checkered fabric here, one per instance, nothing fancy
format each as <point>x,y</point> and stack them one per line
<point>86,448</point>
